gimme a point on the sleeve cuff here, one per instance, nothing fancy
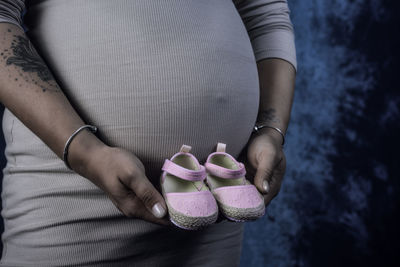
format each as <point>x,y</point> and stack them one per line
<point>277,44</point>
<point>11,22</point>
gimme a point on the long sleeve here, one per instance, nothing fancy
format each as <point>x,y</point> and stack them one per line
<point>270,28</point>
<point>11,11</point>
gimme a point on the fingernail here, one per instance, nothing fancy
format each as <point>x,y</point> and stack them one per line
<point>158,210</point>
<point>266,186</point>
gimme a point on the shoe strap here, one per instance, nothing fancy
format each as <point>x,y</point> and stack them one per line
<point>183,173</point>
<point>221,147</point>
<point>225,172</point>
<point>185,148</point>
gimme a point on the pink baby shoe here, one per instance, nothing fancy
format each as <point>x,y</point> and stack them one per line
<point>237,198</point>
<point>190,202</point>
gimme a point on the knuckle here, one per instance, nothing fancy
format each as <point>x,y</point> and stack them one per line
<point>273,153</point>
<point>270,152</point>
<point>129,176</point>
<point>131,172</point>
<point>147,196</point>
<point>265,171</point>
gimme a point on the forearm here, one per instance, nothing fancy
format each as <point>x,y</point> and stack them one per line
<point>277,82</point>
<point>30,92</point>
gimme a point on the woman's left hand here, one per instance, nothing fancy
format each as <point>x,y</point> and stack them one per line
<point>266,162</point>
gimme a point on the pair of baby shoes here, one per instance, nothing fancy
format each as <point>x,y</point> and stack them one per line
<point>195,193</point>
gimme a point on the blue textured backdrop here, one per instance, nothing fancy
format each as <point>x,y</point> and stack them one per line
<point>339,203</point>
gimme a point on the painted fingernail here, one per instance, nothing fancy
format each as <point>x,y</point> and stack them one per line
<point>266,186</point>
<point>158,210</point>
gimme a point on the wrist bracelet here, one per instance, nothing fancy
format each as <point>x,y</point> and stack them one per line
<point>259,127</point>
<point>65,154</point>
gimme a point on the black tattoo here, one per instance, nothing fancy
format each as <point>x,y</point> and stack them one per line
<point>26,57</point>
<point>268,116</point>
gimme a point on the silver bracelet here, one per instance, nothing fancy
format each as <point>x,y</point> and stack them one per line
<point>65,154</point>
<point>259,127</point>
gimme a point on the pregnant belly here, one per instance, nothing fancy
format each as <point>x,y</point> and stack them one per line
<point>151,74</point>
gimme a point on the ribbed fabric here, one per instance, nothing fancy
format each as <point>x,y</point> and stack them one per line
<point>151,75</point>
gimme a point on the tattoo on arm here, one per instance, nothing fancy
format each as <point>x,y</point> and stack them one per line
<point>267,116</point>
<point>25,56</point>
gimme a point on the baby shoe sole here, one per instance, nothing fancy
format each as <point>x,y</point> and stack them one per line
<point>242,214</point>
<point>187,222</point>
<point>190,223</point>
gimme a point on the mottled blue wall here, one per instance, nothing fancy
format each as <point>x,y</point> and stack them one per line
<point>339,203</point>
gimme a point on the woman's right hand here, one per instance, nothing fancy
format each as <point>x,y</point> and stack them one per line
<point>121,175</point>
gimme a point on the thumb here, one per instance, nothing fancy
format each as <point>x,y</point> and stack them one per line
<point>264,172</point>
<point>149,195</point>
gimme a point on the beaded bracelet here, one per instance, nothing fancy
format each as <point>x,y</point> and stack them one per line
<point>65,154</point>
<point>258,127</point>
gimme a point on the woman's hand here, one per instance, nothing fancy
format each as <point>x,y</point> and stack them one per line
<point>266,162</point>
<point>121,175</point>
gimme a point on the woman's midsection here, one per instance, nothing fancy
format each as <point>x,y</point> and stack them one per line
<point>152,74</point>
